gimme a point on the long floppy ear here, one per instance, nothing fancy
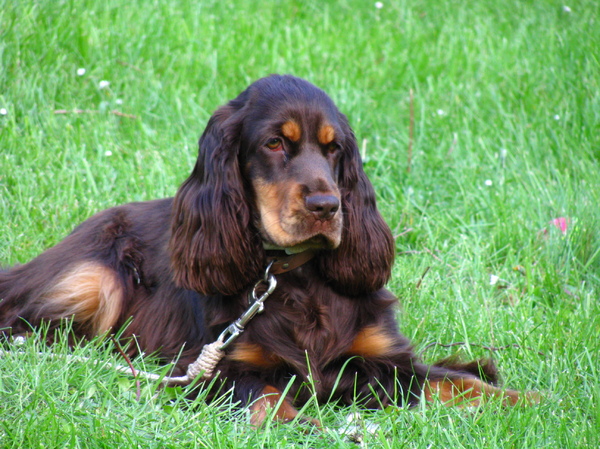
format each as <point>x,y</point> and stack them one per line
<point>363,261</point>
<point>214,246</point>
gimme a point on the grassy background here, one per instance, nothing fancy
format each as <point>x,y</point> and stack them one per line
<point>506,138</point>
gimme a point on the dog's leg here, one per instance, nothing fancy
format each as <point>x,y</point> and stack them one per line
<point>89,292</point>
<point>470,391</point>
<point>272,399</point>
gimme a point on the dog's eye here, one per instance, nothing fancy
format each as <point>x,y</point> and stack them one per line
<point>274,144</point>
<point>333,147</point>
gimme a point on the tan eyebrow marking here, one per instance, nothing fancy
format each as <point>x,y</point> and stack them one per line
<point>291,130</point>
<point>326,134</point>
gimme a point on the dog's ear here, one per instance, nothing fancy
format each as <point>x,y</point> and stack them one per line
<point>214,246</point>
<point>363,261</point>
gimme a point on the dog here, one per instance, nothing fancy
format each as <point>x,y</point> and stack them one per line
<point>278,192</point>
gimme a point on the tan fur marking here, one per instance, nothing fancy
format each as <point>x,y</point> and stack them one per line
<point>253,354</point>
<point>326,134</point>
<point>274,210</point>
<point>269,204</point>
<point>472,392</point>
<point>291,130</point>
<point>284,219</point>
<point>371,341</point>
<point>270,397</point>
<point>89,292</point>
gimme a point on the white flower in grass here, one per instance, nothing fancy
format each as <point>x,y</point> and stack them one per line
<point>378,5</point>
<point>494,279</point>
<point>488,182</point>
<point>108,153</point>
<point>3,111</point>
<point>557,117</point>
<point>566,9</point>
<point>441,112</point>
<point>103,84</point>
<point>119,101</point>
<point>80,71</point>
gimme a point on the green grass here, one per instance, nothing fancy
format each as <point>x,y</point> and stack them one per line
<point>506,138</point>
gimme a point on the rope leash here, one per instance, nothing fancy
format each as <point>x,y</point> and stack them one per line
<point>205,364</point>
<point>211,354</point>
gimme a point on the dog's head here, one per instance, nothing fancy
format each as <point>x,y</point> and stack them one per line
<point>278,167</point>
<point>291,144</point>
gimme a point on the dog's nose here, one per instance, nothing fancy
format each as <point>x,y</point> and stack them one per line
<point>323,207</point>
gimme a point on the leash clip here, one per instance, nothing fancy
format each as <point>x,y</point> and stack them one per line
<point>257,306</point>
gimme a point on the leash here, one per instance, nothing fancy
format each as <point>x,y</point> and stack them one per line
<point>213,353</point>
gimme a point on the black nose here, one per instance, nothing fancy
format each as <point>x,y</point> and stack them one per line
<point>323,207</point>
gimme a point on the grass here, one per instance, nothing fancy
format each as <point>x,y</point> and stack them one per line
<point>506,138</point>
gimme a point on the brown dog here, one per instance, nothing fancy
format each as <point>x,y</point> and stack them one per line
<point>278,178</point>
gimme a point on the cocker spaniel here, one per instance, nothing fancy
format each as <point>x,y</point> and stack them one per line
<point>278,182</point>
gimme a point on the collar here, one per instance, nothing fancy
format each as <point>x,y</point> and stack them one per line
<point>282,262</point>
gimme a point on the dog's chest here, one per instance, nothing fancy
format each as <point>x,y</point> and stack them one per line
<point>313,329</point>
<point>320,326</point>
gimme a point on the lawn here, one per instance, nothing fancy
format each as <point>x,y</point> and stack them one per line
<point>492,193</point>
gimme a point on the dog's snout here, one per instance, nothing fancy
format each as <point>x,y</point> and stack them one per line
<point>323,207</point>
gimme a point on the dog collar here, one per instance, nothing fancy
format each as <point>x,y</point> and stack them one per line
<point>282,263</point>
